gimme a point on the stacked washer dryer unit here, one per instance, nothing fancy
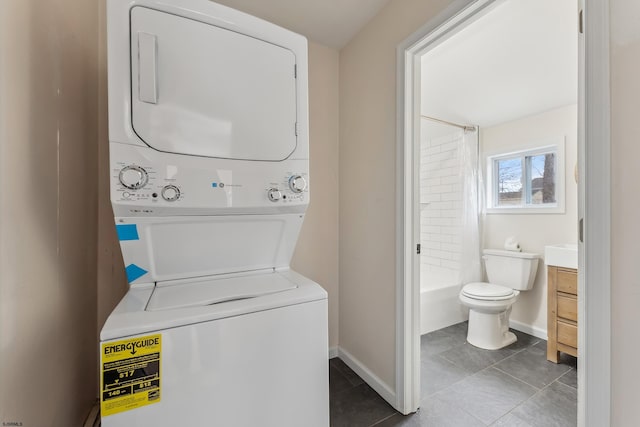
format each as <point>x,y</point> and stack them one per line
<point>208,140</point>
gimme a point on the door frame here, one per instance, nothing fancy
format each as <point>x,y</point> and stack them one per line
<point>594,210</point>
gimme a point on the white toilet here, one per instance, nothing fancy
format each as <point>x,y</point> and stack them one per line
<point>490,303</point>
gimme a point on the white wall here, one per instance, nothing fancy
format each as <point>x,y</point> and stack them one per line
<point>440,206</point>
<point>534,231</point>
<point>625,210</point>
<point>48,200</point>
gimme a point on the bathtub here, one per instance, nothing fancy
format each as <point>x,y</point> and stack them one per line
<point>439,303</point>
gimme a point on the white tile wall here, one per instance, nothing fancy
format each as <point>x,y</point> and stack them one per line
<point>441,208</point>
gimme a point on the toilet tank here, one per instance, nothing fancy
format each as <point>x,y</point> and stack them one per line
<point>515,270</point>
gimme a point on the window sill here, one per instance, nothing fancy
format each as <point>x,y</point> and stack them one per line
<point>519,211</point>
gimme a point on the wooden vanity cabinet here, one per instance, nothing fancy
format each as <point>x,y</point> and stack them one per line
<point>562,312</point>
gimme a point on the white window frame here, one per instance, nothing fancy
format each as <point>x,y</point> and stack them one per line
<point>558,147</point>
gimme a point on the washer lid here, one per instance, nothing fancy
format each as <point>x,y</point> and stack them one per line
<point>133,317</point>
<point>196,293</point>
<point>489,291</point>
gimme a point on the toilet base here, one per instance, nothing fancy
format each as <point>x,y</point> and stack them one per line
<point>490,331</point>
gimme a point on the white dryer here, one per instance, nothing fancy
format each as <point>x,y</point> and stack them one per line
<point>208,120</point>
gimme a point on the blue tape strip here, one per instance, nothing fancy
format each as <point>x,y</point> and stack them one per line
<point>134,272</point>
<point>127,232</point>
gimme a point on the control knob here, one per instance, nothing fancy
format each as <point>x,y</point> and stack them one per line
<point>274,194</point>
<point>297,183</point>
<point>133,177</point>
<point>170,193</point>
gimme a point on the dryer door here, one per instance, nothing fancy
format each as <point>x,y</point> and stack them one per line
<point>203,90</point>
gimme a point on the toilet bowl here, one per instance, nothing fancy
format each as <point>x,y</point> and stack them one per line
<point>489,309</point>
<point>490,303</point>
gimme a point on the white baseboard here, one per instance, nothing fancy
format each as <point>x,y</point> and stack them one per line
<point>528,329</point>
<point>369,377</point>
<point>333,352</point>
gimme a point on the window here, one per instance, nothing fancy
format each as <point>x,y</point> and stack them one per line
<point>528,181</point>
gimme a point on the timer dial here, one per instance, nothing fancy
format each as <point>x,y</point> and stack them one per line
<point>133,177</point>
<point>274,194</point>
<point>170,193</point>
<point>297,183</point>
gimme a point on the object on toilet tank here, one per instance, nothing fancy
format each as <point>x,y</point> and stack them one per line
<point>512,244</point>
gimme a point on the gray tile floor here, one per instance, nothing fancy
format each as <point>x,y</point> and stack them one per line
<point>464,386</point>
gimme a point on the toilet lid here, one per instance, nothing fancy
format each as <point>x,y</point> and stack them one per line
<point>487,291</point>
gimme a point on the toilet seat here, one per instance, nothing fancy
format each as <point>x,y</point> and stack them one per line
<point>487,292</point>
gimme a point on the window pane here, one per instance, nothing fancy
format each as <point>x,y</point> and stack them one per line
<point>543,178</point>
<point>509,180</point>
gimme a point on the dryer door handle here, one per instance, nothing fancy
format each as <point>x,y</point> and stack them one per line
<point>147,68</point>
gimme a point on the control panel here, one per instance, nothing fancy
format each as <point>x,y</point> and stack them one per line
<point>140,184</point>
<point>290,190</point>
<point>146,182</point>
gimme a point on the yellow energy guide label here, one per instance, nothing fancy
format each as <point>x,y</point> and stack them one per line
<point>130,374</point>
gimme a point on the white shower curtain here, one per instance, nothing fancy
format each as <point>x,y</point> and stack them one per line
<point>472,199</point>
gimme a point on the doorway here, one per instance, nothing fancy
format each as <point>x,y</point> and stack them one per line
<point>594,349</point>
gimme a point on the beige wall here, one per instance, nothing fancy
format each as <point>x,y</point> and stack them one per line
<point>48,99</point>
<point>625,227</point>
<point>111,278</point>
<point>534,231</point>
<point>316,254</point>
<point>367,183</point>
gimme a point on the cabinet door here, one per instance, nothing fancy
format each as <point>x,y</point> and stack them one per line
<point>202,90</point>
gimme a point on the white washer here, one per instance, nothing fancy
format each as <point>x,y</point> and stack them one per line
<point>208,121</point>
<point>259,361</point>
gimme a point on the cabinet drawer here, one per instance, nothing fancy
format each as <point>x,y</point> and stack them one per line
<point>568,308</point>
<point>568,334</point>
<point>568,281</point>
